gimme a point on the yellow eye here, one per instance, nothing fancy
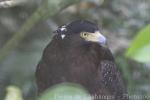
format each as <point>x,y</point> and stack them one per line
<point>84,34</point>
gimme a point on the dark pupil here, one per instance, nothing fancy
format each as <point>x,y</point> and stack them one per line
<point>84,34</point>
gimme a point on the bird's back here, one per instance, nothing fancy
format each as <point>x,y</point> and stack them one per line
<point>77,65</point>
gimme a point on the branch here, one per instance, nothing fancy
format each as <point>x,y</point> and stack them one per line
<point>47,9</point>
<point>11,3</point>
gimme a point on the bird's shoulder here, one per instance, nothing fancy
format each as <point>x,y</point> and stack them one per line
<point>111,79</point>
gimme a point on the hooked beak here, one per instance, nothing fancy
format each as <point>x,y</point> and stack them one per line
<point>97,37</point>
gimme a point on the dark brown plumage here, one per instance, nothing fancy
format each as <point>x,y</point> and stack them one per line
<point>76,54</point>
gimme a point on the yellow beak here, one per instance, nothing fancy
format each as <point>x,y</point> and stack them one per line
<point>96,37</point>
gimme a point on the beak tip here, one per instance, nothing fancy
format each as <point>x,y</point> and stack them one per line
<point>102,40</point>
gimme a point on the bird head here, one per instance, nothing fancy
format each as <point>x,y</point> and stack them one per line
<point>81,30</point>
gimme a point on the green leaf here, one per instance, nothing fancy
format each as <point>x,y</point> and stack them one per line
<point>13,93</point>
<point>65,91</point>
<point>140,48</point>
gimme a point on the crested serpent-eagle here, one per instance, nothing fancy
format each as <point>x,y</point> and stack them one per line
<point>77,53</point>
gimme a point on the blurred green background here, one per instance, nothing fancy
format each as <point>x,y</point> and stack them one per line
<point>26,27</point>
